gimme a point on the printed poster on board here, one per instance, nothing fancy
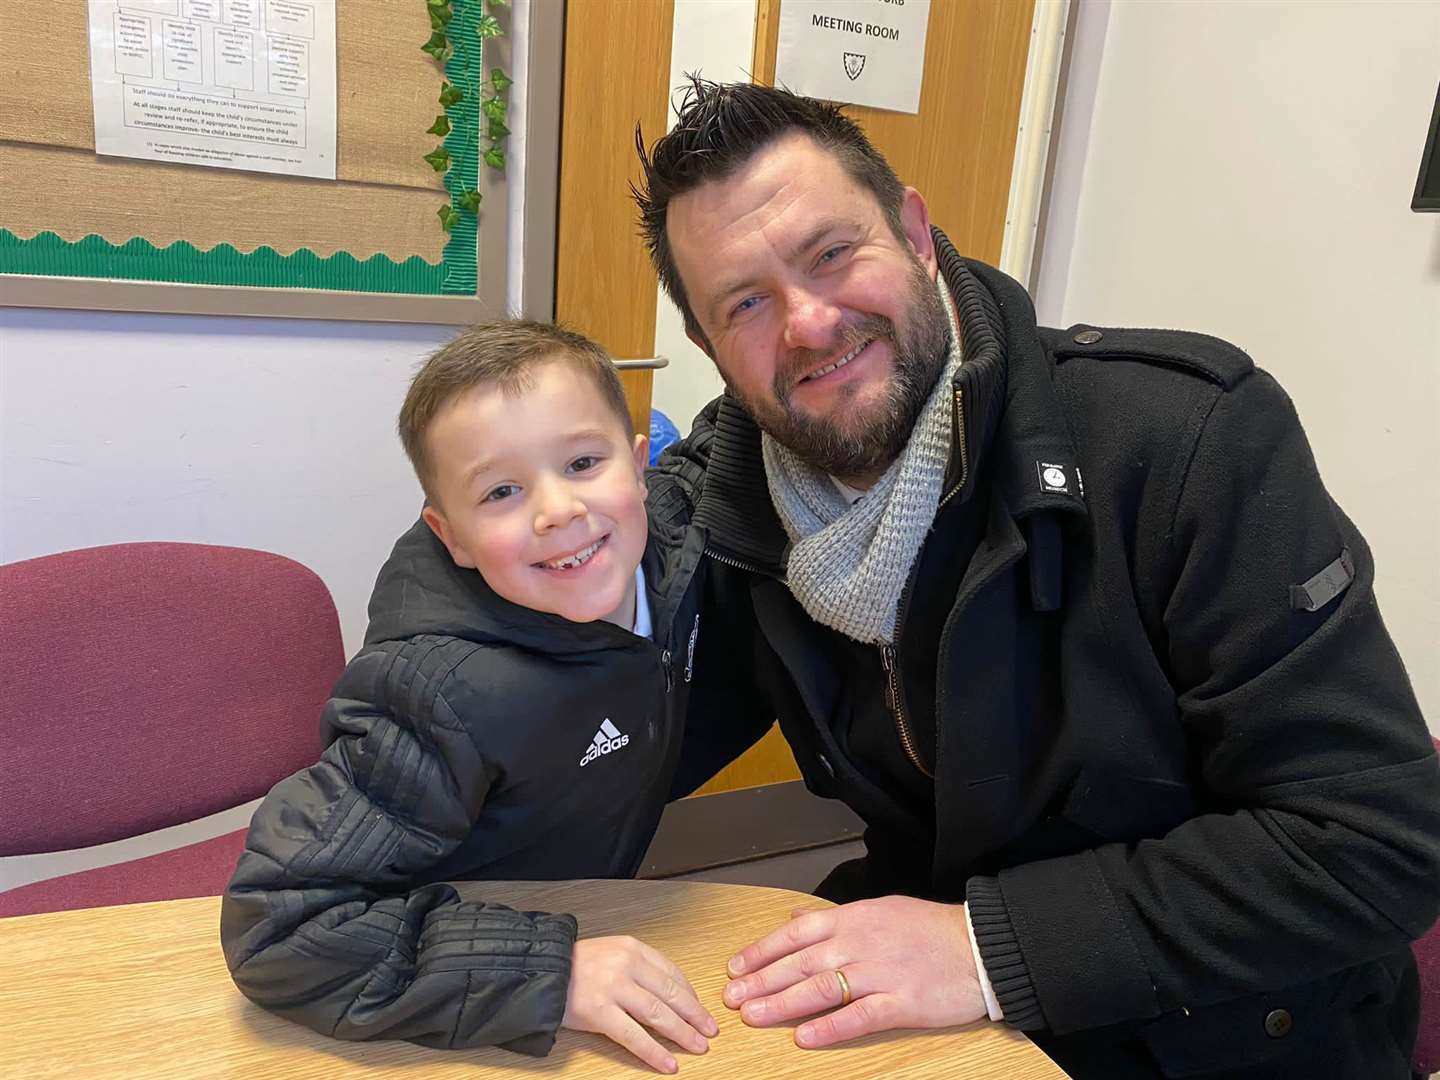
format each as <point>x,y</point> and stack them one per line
<point>864,52</point>
<point>232,84</point>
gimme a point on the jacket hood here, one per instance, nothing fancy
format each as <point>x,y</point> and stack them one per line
<point>420,590</point>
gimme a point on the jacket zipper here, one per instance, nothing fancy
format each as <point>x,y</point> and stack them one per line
<point>958,438</point>
<point>690,649</point>
<point>665,654</point>
<point>890,654</point>
<point>738,565</point>
<point>894,691</point>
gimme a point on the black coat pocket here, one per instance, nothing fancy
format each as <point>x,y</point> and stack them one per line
<point>1127,808</point>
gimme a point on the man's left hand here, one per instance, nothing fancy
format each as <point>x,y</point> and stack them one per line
<point>907,962</point>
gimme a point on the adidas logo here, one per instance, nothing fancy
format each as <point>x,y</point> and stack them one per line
<point>606,740</point>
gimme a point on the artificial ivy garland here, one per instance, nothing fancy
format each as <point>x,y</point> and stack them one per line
<point>493,102</point>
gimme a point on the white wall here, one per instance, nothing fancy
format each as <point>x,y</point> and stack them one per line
<point>1247,171</point>
<point>715,38</point>
<point>278,435</point>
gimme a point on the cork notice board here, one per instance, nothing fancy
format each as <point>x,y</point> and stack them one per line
<point>338,248</point>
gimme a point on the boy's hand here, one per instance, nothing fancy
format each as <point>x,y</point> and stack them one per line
<point>620,986</point>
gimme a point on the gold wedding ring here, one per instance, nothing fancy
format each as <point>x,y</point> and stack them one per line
<point>844,988</point>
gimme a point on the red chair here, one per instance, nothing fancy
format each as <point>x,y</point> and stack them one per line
<point>1427,959</point>
<point>146,685</point>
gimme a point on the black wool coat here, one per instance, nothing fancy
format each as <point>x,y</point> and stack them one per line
<point>1178,769</point>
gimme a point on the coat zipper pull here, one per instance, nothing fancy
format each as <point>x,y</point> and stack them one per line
<point>887,661</point>
<point>669,675</point>
<point>690,649</point>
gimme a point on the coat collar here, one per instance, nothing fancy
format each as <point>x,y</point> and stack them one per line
<point>1006,419</point>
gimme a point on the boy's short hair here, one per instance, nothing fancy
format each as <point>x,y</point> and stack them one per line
<point>502,354</point>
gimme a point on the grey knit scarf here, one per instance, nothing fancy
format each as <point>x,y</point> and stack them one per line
<point>849,563</point>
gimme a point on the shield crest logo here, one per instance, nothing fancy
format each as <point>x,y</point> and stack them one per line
<point>854,64</point>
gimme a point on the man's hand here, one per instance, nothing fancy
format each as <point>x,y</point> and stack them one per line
<point>908,964</point>
<point>618,984</point>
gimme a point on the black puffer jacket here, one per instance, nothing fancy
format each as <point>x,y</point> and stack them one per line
<point>1175,764</point>
<point>469,739</point>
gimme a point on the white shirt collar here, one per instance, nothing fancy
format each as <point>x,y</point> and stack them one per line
<point>852,495</point>
<point>642,627</point>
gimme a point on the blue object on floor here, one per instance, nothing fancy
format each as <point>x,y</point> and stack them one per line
<point>662,433</point>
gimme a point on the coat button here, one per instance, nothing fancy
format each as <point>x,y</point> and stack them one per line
<point>1278,1023</point>
<point>1088,337</point>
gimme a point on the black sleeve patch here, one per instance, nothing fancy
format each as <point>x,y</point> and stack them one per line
<point>1324,586</point>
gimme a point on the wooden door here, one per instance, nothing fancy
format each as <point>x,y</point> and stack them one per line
<point>617,62</point>
<point>957,152</point>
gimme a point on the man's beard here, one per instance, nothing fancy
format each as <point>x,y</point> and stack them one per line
<point>871,439</point>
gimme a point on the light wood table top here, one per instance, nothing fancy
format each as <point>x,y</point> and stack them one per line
<point>142,991</point>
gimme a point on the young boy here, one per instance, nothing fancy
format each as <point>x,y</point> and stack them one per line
<point>516,713</point>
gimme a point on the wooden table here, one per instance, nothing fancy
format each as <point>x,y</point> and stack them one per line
<point>142,991</point>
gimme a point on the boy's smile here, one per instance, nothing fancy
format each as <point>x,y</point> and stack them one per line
<point>576,559</point>
<point>540,490</point>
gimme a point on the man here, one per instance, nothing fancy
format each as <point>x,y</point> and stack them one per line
<point>1066,616</point>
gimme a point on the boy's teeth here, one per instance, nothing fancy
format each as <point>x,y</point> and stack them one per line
<point>578,559</point>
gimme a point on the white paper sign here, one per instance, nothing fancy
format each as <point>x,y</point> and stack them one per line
<point>233,84</point>
<point>865,52</point>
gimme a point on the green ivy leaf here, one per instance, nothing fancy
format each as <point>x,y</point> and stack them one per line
<point>493,108</point>
<point>439,159</point>
<point>438,46</point>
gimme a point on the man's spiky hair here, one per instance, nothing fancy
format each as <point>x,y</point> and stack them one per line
<point>720,127</point>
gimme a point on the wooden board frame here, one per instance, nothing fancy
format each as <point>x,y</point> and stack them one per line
<point>543,73</point>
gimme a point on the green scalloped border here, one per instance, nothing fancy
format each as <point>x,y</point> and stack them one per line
<point>49,255</point>
<point>137,259</point>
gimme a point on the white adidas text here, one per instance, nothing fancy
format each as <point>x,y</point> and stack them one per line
<point>607,740</point>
